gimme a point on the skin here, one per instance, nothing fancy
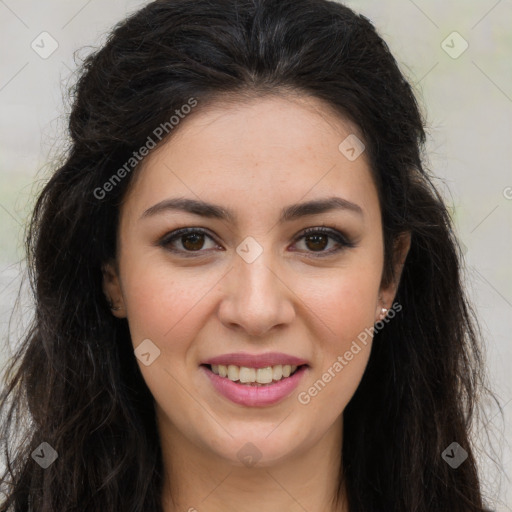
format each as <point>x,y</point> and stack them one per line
<point>255,158</point>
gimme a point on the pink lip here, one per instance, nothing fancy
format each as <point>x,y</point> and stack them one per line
<point>255,396</point>
<point>256,361</point>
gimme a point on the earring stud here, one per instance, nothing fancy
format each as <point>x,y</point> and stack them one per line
<point>112,307</point>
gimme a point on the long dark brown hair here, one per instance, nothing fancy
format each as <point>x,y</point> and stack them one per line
<point>74,382</point>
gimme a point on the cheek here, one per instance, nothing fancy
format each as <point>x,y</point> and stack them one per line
<point>346,307</point>
<point>346,302</point>
<point>163,305</point>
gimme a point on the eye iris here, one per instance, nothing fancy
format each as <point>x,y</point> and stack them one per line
<point>195,237</point>
<point>315,238</point>
<point>194,241</point>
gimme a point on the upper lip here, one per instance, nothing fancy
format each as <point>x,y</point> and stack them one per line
<point>256,360</point>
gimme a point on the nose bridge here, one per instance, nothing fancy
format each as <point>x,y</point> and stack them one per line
<point>258,279</point>
<point>258,298</point>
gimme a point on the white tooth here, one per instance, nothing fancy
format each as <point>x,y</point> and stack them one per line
<point>277,372</point>
<point>247,374</point>
<point>264,375</point>
<point>233,372</point>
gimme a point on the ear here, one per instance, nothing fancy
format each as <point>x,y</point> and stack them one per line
<point>112,289</point>
<point>388,290</point>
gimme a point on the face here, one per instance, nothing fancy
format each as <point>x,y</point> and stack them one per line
<point>252,283</point>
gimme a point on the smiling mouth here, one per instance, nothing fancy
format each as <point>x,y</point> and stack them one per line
<point>254,376</point>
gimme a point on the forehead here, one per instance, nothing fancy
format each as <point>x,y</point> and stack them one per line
<point>261,152</point>
<point>290,123</point>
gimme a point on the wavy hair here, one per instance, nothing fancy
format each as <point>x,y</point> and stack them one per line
<point>75,377</point>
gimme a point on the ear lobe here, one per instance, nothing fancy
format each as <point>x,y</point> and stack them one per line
<point>112,289</point>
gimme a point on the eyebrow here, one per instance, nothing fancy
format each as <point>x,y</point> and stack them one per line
<point>289,213</point>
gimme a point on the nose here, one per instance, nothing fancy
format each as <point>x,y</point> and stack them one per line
<point>256,297</point>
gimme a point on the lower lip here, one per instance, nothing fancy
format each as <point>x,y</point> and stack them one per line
<point>255,396</point>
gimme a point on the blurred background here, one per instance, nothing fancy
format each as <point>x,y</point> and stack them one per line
<point>456,54</point>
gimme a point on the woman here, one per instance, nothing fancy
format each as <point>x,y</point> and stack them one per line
<point>248,291</point>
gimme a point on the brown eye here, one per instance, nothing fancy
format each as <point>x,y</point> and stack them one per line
<point>317,239</point>
<point>193,242</point>
<point>316,242</point>
<point>190,239</point>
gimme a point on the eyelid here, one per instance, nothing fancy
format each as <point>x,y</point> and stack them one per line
<point>339,237</point>
<point>174,235</point>
<point>325,230</point>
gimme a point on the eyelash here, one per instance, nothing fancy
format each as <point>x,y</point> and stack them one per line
<point>342,241</point>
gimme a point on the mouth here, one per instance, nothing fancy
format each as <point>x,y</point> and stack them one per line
<point>254,377</point>
<point>255,387</point>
